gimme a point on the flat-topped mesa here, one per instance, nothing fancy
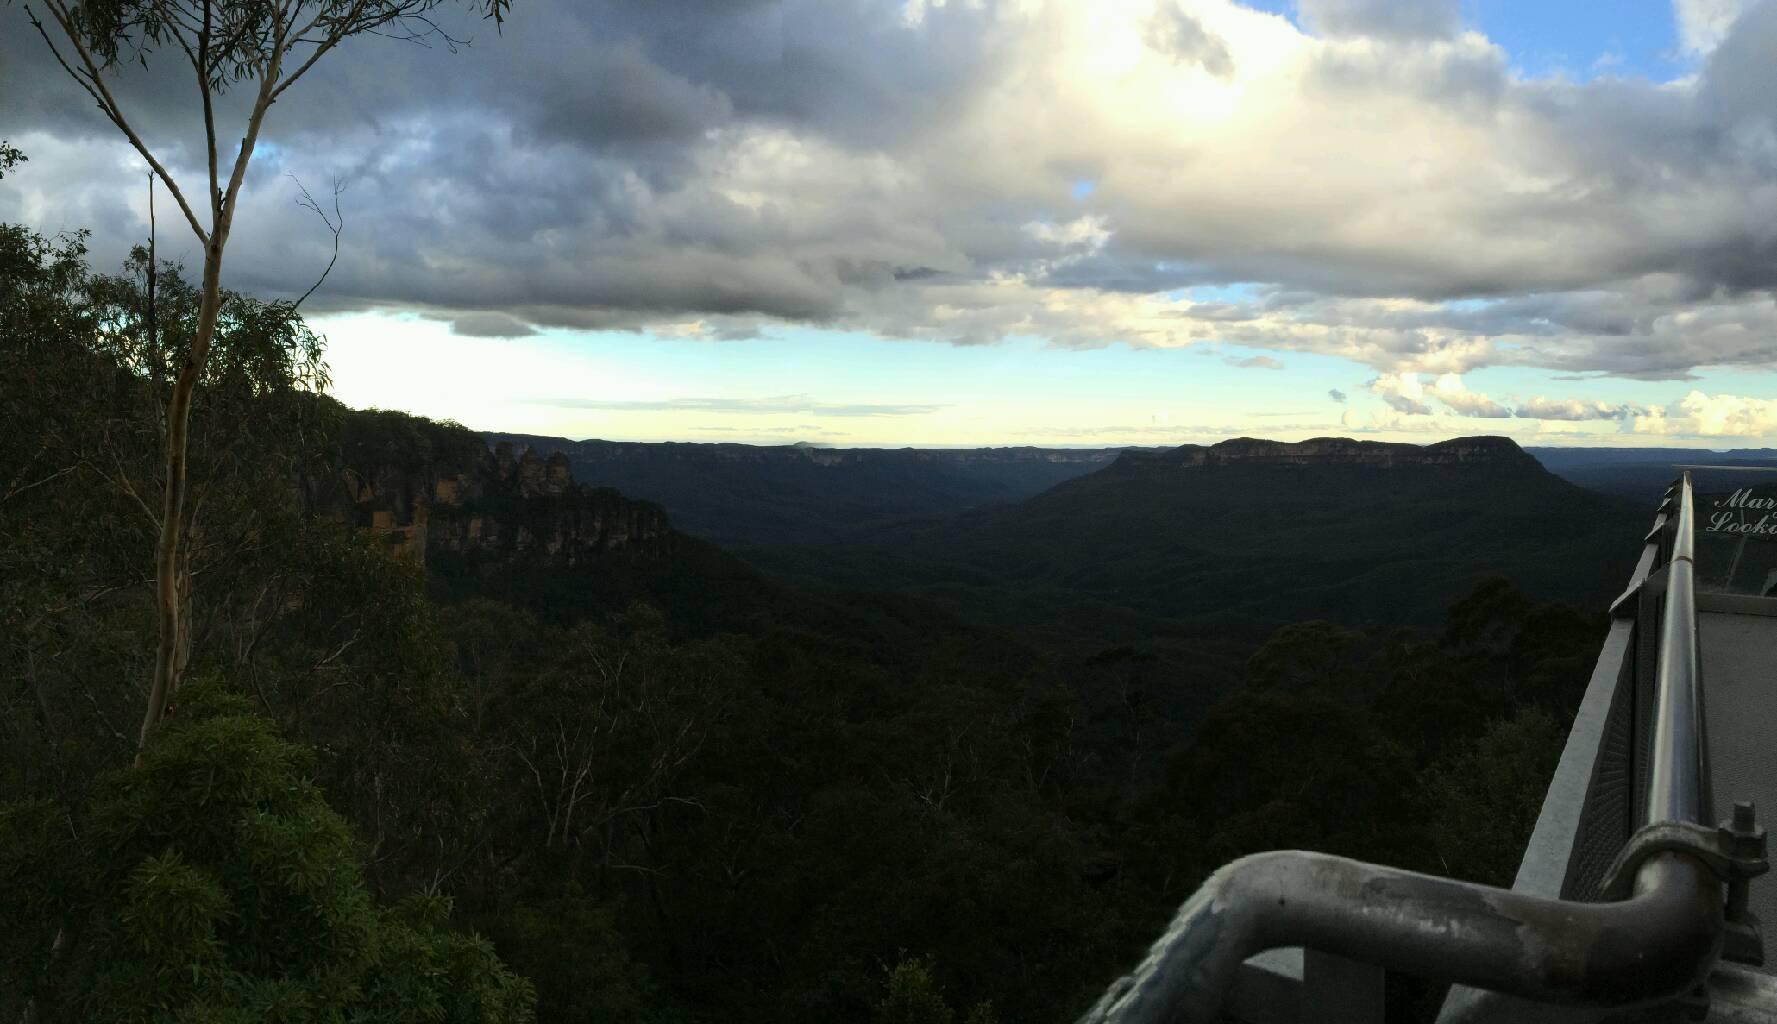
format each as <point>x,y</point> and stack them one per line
<point>1496,452</point>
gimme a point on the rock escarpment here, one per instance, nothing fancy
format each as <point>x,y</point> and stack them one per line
<point>499,502</point>
<point>1478,452</point>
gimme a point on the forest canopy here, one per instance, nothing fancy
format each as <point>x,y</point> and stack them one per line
<point>390,792</point>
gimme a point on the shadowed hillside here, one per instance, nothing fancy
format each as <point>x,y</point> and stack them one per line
<point>1260,532</point>
<point>1643,473</point>
<point>795,494</point>
<point>1357,531</point>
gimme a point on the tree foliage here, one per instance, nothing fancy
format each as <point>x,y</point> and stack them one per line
<point>272,43</point>
<point>212,882</point>
<point>737,800</point>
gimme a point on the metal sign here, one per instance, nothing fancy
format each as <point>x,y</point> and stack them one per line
<point>1745,512</point>
<point>1726,521</point>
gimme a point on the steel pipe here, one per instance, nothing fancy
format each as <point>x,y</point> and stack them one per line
<point>1675,785</point>
<point>1659,942</point>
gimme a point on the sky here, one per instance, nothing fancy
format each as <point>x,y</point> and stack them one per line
<point>1002,223</point>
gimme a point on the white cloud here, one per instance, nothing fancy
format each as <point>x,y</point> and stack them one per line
<point>1449,389</point>
<point>1696,415</point>
<point>1404,393</point>
<point>913,170</point>
<point>1572,409</point>
<point>1087,233</point>
<point>1703,24</point>
<point>1702,415</point>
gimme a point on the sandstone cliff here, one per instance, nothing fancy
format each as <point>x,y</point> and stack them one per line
<point>498,502</point>
<point>1479,452</point>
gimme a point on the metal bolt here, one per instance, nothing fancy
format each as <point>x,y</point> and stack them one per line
<point>1745,816</point>
<point>1745,839</point>
<point>1745,844</point>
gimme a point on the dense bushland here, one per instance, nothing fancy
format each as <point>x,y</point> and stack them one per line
<point>386,795</point>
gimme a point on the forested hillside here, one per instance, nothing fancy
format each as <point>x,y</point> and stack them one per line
<point>739,494</point>
<point>463,738</point>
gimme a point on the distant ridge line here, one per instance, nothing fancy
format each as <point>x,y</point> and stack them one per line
<point>1478,451</point>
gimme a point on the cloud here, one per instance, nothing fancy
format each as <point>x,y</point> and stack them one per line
<point>1391,18</point>
<point>1175,32</point>
<point>490,325</point>
<point>1450,390</point>
<point>1702,415</point>
<point>910,170</point>
<point>1402,392</point>
<point>1540,408</point>
<point>1160,434</point>
<point>1082,233</point>
<point>775,405</point>
<point>1336,395</point>
<point>1256,363</point>
<point>1703,24</point>
<point>1696,415</point>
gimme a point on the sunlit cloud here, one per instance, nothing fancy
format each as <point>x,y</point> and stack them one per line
<point>1371,182</point>
<point>745,406</point>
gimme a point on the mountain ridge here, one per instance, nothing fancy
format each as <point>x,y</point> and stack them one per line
<point>1480,450</point>
<point>1357,531</point>
<point>735,494</point>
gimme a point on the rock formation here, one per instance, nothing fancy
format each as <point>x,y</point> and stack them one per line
<point>1342,451</point>
<point>506,503</point>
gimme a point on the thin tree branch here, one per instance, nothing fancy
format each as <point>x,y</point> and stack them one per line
<point>336,32</point>
<point>335,225</point>
<point>261,104</point>
<point>122,484</point>
<point>95,87</point>
<point>16,491</point>
<point>204,79</point>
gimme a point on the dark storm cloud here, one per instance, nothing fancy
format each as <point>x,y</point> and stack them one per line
<point>619,96</point>
<point>1395,18</point>
<point>1739,75</point>
<point>1177,33</point>
<point>880,167</point>
<point>490,325</point>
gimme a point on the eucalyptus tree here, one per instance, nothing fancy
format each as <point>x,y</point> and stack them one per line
<point>262,45</point>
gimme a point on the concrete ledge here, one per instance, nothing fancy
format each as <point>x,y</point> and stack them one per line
<point>1736,604</point>
<point>1268,989</point>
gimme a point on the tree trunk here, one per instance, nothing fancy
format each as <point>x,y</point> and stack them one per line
<point>171,588</point>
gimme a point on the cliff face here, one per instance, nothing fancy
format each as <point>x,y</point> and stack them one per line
<point>1489,452</point>
<point>501,503</point>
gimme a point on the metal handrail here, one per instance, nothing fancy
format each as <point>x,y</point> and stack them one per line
<point>1658,943</point>
<point>1676,783</point>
